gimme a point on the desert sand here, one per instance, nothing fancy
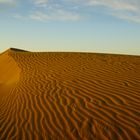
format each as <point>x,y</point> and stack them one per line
<point>69,96</point>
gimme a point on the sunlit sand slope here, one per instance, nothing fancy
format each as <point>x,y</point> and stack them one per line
<point>69,96</point>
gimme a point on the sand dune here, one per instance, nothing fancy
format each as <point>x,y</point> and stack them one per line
<point>69,96</point>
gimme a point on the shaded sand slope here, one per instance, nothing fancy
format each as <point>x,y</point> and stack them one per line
<point>9,74</point>
<point>69,96</point>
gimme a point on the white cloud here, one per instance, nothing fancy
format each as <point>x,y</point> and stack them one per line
<point>54,15</point>
<point>117,4</point>
<point>128,17</point>
<point>47,10</point>
<point>41,3</point>
<point>63,9</point>
<point>57,15</point>
<point>123,9</point>
<point>7,1</point>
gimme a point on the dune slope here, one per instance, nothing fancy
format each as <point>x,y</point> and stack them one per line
<point>9,73</point>
<point>69,96</point>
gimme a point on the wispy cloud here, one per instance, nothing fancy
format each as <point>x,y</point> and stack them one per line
<point>117,4</point>
<point>128,17</point>
<point>47,10</point>
<point>123,9</point>
<point>7,1</point>
<point>41,3</point>
<point>64,9</point>
<point>58,15</point>
<point>7,4</point>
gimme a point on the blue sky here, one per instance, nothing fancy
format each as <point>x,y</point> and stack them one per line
<point>108,26</point>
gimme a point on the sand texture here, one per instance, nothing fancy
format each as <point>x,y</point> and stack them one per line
<point>69,96</point>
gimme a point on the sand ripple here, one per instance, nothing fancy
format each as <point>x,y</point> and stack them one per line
<point>70,96</point>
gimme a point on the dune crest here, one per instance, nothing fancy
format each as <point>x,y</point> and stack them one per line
<point>17,50</point>
<point>69,96</point>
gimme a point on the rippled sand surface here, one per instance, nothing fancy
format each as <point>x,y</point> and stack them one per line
<point>69,96</point>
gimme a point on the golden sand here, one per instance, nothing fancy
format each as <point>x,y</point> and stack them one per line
<point>69,96</point>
